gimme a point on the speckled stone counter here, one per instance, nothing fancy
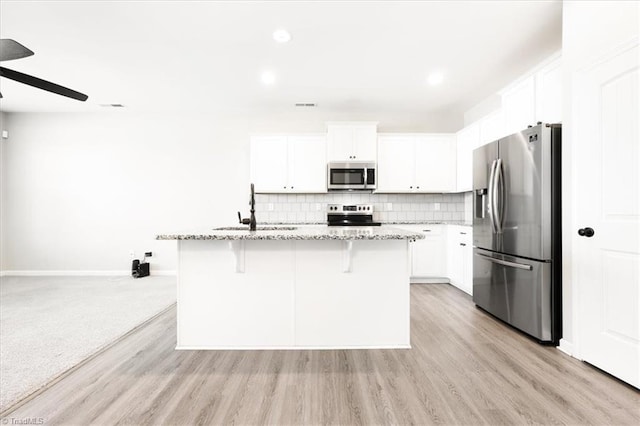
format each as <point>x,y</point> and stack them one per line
<point>303,232</point>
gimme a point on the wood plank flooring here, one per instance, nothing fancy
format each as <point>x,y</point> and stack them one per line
<point>464,368</point>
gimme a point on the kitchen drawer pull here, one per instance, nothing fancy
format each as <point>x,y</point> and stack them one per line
<point>463,233</point>
<point>463,244</point>
<point>426,230</point>
<point>506,262</point>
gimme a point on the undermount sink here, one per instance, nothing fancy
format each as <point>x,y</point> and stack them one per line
<point>259,228</point>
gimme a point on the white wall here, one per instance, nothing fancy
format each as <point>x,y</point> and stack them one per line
<point>3,204</point>
<point>590,30</point>
<point>81,190</point>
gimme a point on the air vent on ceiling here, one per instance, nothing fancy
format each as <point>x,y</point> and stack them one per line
<point>306,104</point>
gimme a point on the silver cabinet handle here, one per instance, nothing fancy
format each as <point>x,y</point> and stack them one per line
<point>506,262</point>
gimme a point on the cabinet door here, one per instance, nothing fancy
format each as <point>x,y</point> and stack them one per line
<point>269,163</point>
<point>340,143</point>
<point>467,140</point>
<point>491,128</point>
<point>467,269</point>
<point>307,164</point>
<point>428,258</point>
<point>454,256</point>
<point>396,163</point>
<point>364,143</point>
<point>518,104</point>
<point>549,93</point>
<point>435,159</point>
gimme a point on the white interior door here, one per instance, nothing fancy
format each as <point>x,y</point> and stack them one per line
<point>606,162</point>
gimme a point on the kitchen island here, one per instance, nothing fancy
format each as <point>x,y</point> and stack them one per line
<point>306,287</point>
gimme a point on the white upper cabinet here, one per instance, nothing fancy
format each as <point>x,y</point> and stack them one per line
<point>396,164</point>
<point>308,163</point>
<point>269,163</point>
<point>467,140</point>
<point>435,163</point>
<point>416,163</point>
<point>288,163</point>
<point>351,141</point>
<point>535,98</point>
<point>491,127</point>
<point>549,93</point>
<point>518,104</point>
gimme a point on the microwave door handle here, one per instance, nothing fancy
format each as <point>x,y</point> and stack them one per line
<point>365,177</point>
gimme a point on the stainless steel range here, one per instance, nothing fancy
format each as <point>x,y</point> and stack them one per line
<point>350,215</point>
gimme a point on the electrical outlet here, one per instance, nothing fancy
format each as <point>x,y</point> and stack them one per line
<point>318,207</point>
<point>132,254</point>
<point>436,206</point>
<point>270,207</point>
<point>388,206</point>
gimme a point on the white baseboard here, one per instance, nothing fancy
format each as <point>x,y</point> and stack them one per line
<point>566,347</point>
<point>421,280</point>
<point>57,273</point>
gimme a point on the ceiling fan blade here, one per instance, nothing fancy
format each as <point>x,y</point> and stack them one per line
<point>11,49</point>
<point>42,84</point>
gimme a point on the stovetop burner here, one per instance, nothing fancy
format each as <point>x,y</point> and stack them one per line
<point>350,215</point>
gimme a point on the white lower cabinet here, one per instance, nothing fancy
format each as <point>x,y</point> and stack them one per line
<point>428,262</point>
<point>460,257</point>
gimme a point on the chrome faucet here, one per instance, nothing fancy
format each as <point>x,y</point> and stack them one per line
<point>252,220</point>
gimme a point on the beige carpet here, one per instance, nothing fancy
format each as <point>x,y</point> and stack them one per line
<point>50,324</point>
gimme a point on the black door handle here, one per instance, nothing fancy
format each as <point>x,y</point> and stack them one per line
<point>586,232</point>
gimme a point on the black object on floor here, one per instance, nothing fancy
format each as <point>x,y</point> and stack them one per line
<point>138,269</point>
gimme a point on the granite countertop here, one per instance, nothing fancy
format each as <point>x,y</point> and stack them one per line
<point>305,232</point>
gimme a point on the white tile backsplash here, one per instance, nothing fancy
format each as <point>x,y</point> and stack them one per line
<point>300,208</point>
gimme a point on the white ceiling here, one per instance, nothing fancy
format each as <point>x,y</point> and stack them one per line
<point>361,57</point>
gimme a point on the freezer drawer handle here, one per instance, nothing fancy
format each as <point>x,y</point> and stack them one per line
<point>506,262</point>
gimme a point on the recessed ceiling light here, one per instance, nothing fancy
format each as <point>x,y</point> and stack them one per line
<point>268,78</point>
<point>435,78</point>
<point>281,35</point>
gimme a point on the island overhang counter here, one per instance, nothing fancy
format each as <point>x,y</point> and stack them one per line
<point>310,287</point>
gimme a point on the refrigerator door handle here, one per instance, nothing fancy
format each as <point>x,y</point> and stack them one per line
<point>498,193</point>
<point>491,195</point>
<point>506,262</point>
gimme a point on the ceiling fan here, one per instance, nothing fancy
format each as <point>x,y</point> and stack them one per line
<point>10,50</point>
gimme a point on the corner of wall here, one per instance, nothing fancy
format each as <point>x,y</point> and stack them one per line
<point>3,141</point>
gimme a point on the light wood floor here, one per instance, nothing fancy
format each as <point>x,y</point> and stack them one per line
<point>464,368</point>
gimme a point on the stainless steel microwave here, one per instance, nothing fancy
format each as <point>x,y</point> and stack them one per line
<point>351,176</point>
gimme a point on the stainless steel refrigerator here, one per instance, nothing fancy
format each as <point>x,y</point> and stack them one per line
<point>517,231</point>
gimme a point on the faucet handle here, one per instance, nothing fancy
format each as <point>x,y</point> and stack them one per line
<point>244,221</point>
